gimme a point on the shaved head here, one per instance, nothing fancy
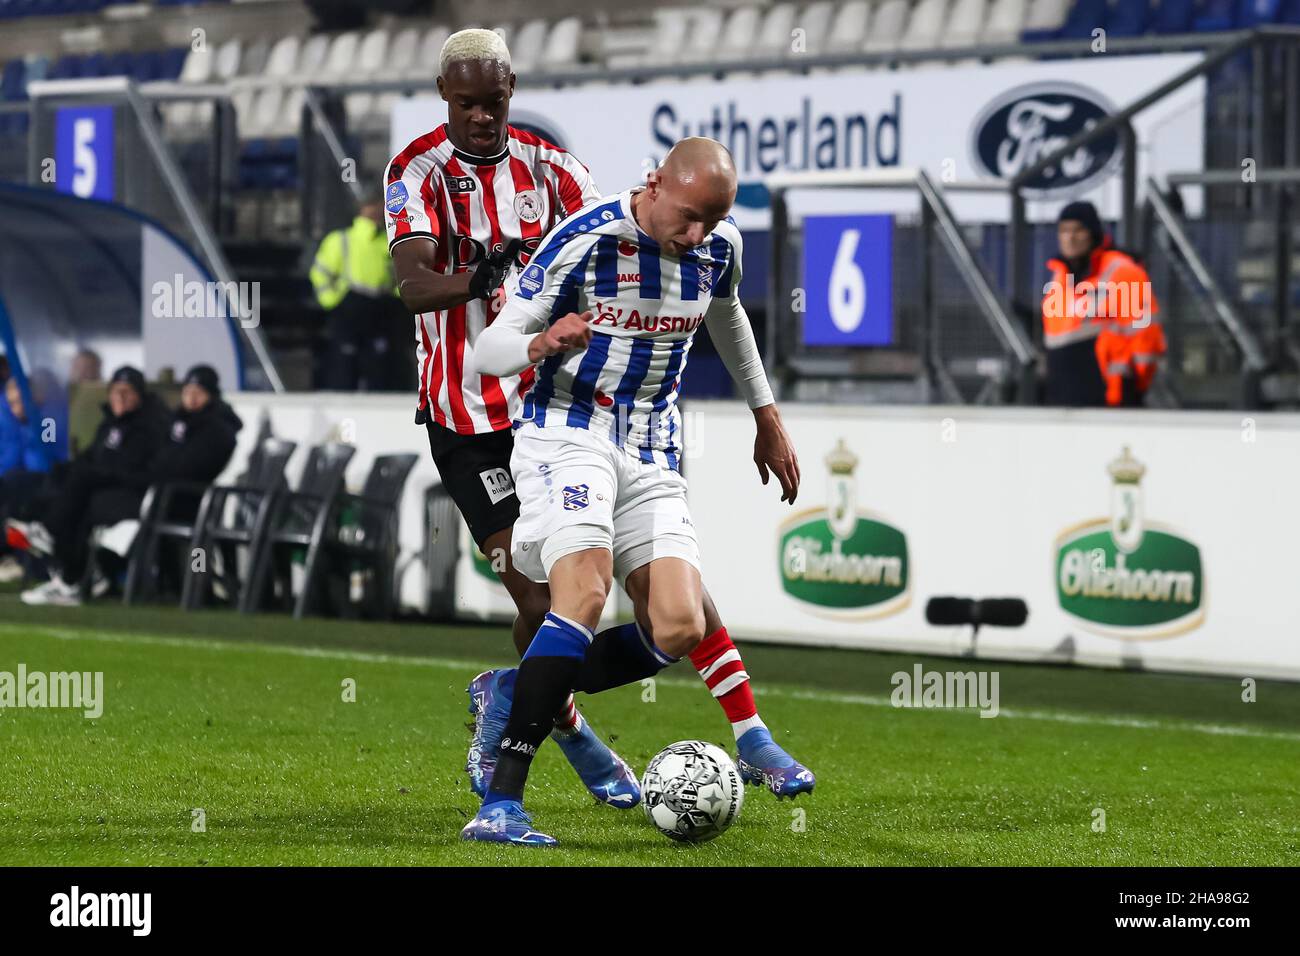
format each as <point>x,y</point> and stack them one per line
<point>701,162</point>
<point>688,195</point>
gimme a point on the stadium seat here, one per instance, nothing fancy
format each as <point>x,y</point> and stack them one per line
<point>965,23</point>
<point>312,57</point>
<point>1173,16</point>
<point>1128,19</point>
<point>562,45</point>
<point>1215,16</point>
<point>371,55</point>
<point>669,38</point>
<point>739,34</point>
<point>849,30</point>
<point>402,51</point>
<point>1257,13</point>
<point>774,36</point>
<point>887,26</point>
<point>815,21</point>
<point>342,57</point>
<point>925,26</point>
<point>426,63</point>
<point>1045,19</point>
<point>527,51</point>
<point>13,81</point>
<point>1006,18</point>
<point>703,34</point>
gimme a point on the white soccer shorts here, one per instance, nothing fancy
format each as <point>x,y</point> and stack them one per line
<point>578,490</point>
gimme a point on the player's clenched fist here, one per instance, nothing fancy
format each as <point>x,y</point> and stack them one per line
<point>568,334</point>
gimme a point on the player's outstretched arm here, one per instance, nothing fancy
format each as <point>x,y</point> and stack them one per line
<point>734,339</point>
<point>512,343</point>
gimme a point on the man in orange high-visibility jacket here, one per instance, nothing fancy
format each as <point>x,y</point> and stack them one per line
<point>1101,339</point>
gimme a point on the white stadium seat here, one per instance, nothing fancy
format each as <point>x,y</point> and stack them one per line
<point>283,58</point>
<point>739,34</point>
<point>887,26</point>
<point>669,39</point>
<point>311,60</point>
<point>288,118</point>
<point>850,28</point>
<point>965,23</point>
<point>228,56</point>
<point>562,45</point>
<point>402,51</point>
<point>1005,21</point>
<point>815,21</point>
<point>1047,14</point>
<point>342,57</point>
<point>199,66</point>
<point>255,57</point>
<point>775,35</point>
<point>426,61</point>
<point>529,42</point>
<point>926,25</point>
<point>370,63</point>
<point>702,35</point>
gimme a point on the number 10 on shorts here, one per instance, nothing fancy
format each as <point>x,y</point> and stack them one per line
<point>848,280</point>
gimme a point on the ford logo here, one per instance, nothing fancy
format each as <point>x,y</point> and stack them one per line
<point>1025,124</point>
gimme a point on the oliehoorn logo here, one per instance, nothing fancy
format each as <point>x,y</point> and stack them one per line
<point>1125,576</point>
<point>841,561</point>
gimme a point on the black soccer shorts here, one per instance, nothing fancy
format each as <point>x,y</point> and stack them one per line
<point>475,470</point>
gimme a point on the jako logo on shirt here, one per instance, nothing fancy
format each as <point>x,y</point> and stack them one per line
<point>1027,123</point>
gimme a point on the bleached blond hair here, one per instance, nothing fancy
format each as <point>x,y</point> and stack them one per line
<point>473,45</point>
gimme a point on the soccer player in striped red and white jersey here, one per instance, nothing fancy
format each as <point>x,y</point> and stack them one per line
<point>456,198</point>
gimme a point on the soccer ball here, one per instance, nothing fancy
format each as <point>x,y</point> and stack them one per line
<point>692,791</point>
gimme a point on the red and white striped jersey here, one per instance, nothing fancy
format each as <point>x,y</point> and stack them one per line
<point>468,205</point>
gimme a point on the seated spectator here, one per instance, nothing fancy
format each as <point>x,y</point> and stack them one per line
<point>201,440</point>
<point>25,459</point>
<point>103,486</point>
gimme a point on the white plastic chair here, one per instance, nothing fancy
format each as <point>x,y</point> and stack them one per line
<point>282,61</point>
<point>1046,14</point>
<point>702,35</point>
<point>739,34</point>
<point>529,42</point>
<point>669,38</point>
<point>342,58</point>
<point>850,28</point>
<point>774,36</point>
<point>402,50</point>
<point>1005,21</point>
<point>926,25</point>
<point>965,23</point>
<point>311,58</point>
<point>815,21</point>
<point>887,26</point>
<point>426,61</point>
<point>561,48</point>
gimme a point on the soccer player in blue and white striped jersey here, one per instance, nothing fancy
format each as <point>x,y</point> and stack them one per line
<point>607,309</point>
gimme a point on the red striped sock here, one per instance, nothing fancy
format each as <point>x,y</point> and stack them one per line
<point>721,668</point>
<point>569,720</point>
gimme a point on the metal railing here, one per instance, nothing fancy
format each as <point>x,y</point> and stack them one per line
<point>124,90</point>
<point>1258,41</point>
<point>936,218</point>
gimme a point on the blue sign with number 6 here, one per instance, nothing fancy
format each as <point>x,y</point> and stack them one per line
<point>83,152</point>
<point>848,280</point>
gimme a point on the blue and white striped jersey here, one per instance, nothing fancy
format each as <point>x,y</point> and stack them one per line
<point>646,305</point>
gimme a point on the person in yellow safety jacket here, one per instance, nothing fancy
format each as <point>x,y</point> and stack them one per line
<point>352,275</point>
<point>1102,342</point>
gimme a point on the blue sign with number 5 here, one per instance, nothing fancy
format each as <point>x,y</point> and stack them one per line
<point>848,280</point>
<point>83,151</point>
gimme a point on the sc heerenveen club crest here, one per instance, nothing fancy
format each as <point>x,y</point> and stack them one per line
<point>1125,576</point>
<point>839,560</point>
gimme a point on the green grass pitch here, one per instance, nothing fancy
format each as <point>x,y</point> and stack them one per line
<point>244,718</point>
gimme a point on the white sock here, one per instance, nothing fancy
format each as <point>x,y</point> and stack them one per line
<point>742,727</point>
